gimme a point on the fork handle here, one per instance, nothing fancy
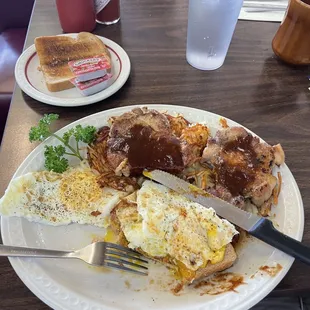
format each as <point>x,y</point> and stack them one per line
<point>14,251</point>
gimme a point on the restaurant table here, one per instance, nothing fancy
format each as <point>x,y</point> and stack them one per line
<point>253,88</point>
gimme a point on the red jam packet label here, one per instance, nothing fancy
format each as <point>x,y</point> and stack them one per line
<point>91,83</point>
<point>87,65</point>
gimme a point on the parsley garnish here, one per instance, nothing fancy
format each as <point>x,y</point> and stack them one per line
<point>54,155</point>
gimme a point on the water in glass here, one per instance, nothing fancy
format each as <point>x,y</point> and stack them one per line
<point>211,24</point>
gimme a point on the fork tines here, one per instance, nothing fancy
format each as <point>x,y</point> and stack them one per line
<point>123,258</point>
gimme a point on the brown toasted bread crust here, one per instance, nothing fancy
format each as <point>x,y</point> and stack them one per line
<point>59,86</point>
<point>56,51</point>
<point>229,257</point>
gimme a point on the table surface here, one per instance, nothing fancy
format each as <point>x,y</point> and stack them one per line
<point>253,88</point>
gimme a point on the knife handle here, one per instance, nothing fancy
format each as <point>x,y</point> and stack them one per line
<point>265,231</point>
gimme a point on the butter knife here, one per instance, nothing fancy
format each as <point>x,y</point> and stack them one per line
<point>255,225</point>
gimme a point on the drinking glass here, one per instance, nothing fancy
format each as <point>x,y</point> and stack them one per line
<point>211,24</point>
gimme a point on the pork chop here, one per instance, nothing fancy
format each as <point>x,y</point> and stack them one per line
<point>143,139</point>
<point>243,166</point>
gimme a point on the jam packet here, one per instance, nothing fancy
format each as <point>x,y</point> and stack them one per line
<point>93,86</point>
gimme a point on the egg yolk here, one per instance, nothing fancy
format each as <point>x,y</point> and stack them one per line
<point>110,236</point>
<point>218,255</point>
<point>184,273</point>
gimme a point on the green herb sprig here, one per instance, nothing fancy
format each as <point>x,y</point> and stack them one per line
<point>54,155</point>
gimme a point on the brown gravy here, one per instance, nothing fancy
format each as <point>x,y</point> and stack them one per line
<point>220,283</point>
<point>236,177</point>
<point>271,271</point>
<point>147,149</point>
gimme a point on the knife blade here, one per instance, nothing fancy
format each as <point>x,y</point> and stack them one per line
<point>255,225</point>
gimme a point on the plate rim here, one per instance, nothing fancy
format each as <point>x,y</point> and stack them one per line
<point>30,90</point>
<point>245,304</point>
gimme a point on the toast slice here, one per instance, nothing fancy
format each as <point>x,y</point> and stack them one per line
<point>55,52</point>
<point>127,209</point>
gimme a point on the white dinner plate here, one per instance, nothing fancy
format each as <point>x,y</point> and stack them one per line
<point>31,80</point>
<point>72,284</point>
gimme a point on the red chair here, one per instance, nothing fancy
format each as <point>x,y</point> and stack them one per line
<point>14,20</point>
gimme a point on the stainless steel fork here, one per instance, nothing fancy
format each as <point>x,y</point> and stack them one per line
<point>97,254</point>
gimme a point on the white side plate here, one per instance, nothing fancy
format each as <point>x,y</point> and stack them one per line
<point>31,80</point>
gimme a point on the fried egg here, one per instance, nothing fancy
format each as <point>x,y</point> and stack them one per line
<point>167,224</point>
<point>59,199</point>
